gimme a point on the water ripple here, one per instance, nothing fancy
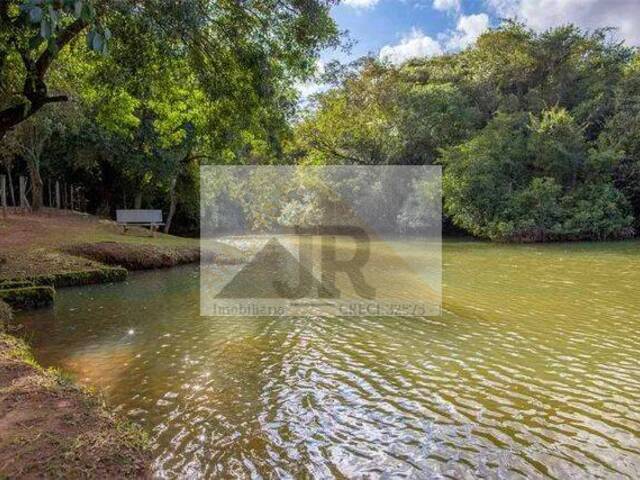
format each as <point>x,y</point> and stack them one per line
<point>532,372</point>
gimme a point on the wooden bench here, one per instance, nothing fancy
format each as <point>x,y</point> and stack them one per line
<point>139,218</point>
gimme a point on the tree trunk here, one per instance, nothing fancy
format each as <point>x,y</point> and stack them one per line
<point>137,203</point>
<point>12,192</point>
<point>172,205</point>
<point>36,185</point>
<point>24,201</point>
<point>3,194</point>
<point>58,195</point>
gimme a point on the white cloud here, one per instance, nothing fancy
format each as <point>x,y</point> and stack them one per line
<point>468,29</point>
<point>417,44</point>
<point>361,3</point>
<point>588,14</point>
<point>447,5</point>
<point>414,45</point>
<point>504,8</point>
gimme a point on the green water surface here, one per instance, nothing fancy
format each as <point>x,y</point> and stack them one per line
<point>533,371</point>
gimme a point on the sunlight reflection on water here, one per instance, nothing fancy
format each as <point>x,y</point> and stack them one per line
<point>532,372</point>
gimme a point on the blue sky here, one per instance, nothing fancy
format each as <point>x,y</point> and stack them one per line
<point>388,21</point>
<point>398,30</point>
<point>401,29</point>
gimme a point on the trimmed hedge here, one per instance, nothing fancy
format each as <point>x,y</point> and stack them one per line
<point>28,297</point>
<point>86,277</point>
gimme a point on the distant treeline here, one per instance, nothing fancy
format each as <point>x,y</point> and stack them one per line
<point>340,200</point>
<point>538,133</point>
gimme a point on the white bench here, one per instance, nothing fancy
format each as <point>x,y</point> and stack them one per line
<point>139,218</point>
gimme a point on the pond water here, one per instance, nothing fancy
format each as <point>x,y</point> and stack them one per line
<point>533,371</point>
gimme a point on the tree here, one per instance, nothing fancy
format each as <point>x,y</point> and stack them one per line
<point>481,175</point>
<point>622,134</point>
<point>199,82</point>
<point>32,33</point>
<point>7,159</point>
<point>29,139</point>
<point>265,40</point>
<point>353,123</point>
<point>558,146</point>
<point>533,180</point>
<point>432,117</point>
<point>530,129</point>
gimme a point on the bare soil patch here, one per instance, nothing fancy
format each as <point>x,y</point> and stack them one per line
<point>51,428</point>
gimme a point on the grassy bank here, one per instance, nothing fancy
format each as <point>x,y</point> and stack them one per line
<point>61,244</point>
<point>51,427</point>
<point>135,256</point>
<point>32,246</point>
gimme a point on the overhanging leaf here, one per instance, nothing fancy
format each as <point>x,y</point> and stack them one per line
<point>35,15</point>
<point>45,29</point>
<point>77,8</point>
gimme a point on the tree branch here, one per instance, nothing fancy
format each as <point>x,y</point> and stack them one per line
<point>44,61</point>
<point>35,89</point>
<point>55,99</point>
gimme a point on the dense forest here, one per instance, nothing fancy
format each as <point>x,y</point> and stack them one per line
<point>127,98</point>
<point>538,134</point>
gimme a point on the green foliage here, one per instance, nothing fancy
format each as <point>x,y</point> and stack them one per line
<point>537,133</point>
<point>481,174</point>
<point>28,297</point>
<point>622,134</point>
<point>431,117</point>
<point>84,277</point>
<point>557,145</point>
<point>533,181</point>
<point>599,212</point>
<point>174,85</point>
<point>353,124</point>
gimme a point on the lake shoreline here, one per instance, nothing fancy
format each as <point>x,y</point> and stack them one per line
<point>49,423</point>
